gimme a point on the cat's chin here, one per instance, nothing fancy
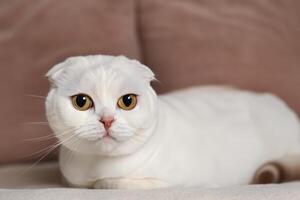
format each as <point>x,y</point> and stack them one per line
<point>102,146</point>
<point>94,145</point>
<point>97,138</point>
<point>107,146</point>
<point>103,138</point>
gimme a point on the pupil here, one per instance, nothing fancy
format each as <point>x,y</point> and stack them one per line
<point>81,100</point>
<point>127,100</point>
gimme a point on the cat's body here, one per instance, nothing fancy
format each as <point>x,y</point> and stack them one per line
<point>203,136</point>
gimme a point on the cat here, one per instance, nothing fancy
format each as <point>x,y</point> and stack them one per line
<point>116,133</point>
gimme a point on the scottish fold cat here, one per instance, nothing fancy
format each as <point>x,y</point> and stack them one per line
<point>115,132</point>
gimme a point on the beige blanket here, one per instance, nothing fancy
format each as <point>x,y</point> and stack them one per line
<point>43,183</point>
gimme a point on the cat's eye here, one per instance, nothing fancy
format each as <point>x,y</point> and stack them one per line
<point>127,101</point>
<point>82,102</point>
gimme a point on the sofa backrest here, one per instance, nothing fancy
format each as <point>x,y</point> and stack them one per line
<point>35,35</point>
<point>251,44</point>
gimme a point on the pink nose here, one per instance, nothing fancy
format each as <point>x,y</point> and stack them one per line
<point>107,121</point>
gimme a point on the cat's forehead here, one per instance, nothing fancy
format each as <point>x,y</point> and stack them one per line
<point>110,79</point>
<point>102,74</point>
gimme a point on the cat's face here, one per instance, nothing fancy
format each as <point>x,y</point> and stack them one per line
<point>101,105</point>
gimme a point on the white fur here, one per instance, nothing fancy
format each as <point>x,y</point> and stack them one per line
<point>203,136</point>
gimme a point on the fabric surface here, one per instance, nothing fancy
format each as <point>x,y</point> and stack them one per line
<point>42,182</point>
<point>47,174</point>
<point>265,192</point>
<point>251,44</point>
<point>35,35</point>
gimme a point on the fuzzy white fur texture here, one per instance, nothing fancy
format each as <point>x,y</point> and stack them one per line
<point>206,136</point>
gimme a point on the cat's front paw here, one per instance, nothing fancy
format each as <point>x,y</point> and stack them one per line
<point>126,183</point>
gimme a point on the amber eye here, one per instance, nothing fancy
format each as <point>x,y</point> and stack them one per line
<point>127,101</point>
<point>82,102</point>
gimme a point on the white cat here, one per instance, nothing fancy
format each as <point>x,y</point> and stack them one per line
<point>116,133</point>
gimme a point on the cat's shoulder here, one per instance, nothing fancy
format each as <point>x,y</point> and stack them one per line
<point>224,93</point>
<point>208,90</point>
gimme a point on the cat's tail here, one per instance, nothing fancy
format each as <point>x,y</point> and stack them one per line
<point>282,170</point>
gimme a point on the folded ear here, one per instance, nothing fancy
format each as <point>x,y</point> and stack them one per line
<point>143,70</point>
<point>146,72</point>
<point>55,71</point>
<point>58,71</point>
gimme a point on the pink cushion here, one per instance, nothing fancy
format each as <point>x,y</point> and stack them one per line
<point>251,44</point>
<point>35,35</point>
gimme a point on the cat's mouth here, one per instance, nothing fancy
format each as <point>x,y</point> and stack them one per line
<point>99,136</point>
<point>107,135</point>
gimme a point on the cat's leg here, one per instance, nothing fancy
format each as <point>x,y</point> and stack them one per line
<point>127,183</point>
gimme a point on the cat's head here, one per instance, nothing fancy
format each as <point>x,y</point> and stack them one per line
<point>101,105</point>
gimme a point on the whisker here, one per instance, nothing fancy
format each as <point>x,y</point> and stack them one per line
<point>36,96</point>
<point>39,139</point>
<point>123,130</point>
<point>41,151</point>
<point>71,153</point>
<point>61,134</point>
<point>52,135</point>
<point>35,123</point>
<point>137,138</point>
<point>51,149</point>
<point>121,125</point>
